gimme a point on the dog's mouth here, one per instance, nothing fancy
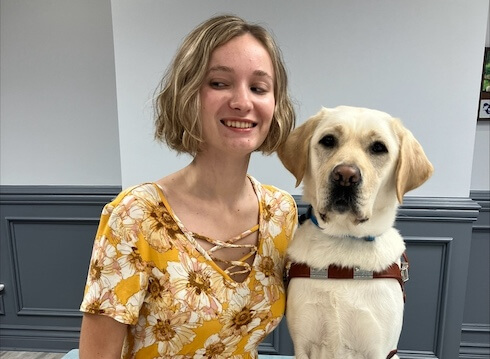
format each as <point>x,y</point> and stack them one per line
<point>357,218</point>
<point>342,205</point>
<point>344,201</point>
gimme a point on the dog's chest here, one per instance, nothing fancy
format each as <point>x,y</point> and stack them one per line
<point>319,250</point>
<point>336,308</point>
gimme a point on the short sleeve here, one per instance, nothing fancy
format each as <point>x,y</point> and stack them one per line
<point>292,218</point>
<point>117,277</point>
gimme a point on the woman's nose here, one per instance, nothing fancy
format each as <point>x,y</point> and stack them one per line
<point>240,99</point>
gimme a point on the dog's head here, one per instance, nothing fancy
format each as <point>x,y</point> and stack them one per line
<point>356,164</point>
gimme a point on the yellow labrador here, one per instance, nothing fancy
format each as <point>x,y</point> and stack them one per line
<point>345,295</point>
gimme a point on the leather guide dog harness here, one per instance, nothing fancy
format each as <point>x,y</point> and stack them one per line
<point>302,270</point>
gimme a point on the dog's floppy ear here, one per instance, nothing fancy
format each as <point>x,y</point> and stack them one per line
<point>413,168</point>
<point>294,152</point>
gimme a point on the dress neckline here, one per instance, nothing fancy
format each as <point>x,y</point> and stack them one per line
<point>231,243</point>
<point>192,238</point>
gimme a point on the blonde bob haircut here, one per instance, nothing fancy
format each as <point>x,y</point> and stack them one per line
<point>177,103</point>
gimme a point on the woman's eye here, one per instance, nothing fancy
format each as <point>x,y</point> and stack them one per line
<point>258,89</point>
<point>217,84</point>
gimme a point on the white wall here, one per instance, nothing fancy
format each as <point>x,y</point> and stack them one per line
<point>58,100</point>
<point>58,94</point>
<point>418,60</point>
<point>480,177</point>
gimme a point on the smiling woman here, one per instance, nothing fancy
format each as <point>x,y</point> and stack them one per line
<point>192,265</point>
<point>184,135</point>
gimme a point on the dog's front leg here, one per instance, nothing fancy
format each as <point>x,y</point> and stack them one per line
<point>312,319</point>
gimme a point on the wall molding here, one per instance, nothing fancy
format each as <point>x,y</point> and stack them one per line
<point>271,344</point>
<point>39,338</point>
<point>453,209</point>
<point>445,248</point>
<point>475,337</point>
<point>435,232</point>
<point>419,208</point>
<point>12,223</point>
<point>432,208</point>
<point>57,194</point>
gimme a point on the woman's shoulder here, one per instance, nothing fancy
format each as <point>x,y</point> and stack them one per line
<point>271,190</point>
<point>147,192</point>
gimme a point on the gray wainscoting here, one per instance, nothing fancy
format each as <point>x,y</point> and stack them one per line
<point>46,240</point>
<point>475,338</point>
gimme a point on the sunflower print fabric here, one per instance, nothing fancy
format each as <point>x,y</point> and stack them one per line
<point>149,272</point>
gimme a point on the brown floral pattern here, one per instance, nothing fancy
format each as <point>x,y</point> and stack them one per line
<point>148,272</point>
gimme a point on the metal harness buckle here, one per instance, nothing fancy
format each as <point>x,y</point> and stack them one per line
<point>362,274</point>
<point>404,272</point>
<point>318,273</point>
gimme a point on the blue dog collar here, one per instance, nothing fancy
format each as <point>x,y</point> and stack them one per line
<point>309,215</point>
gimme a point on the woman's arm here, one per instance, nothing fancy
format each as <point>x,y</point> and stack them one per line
<point>101,337</point>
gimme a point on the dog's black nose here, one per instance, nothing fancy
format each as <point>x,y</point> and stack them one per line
<point>346,175</point>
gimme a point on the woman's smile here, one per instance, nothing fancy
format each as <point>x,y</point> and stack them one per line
<point>238,124</point>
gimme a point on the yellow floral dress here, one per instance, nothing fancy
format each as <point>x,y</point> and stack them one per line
<point>149,272</point>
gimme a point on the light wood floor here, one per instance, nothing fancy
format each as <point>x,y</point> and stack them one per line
<point>30,355</point>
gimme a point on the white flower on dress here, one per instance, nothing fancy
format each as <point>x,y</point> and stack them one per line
<point>103,264</point>
<point>270,264</point>
<point>99,300</point>
<point>124,219</point>
<point>259,335</point>
<point>196,284</point>
<point>270,269</point>
<point>130,260</point>
<point>217,347</point>
<point>158,226</point>
<point>276,208</point>
<point>244,312</point>
<point>171,329</point>
<point>159,287</point>
<point>131,313</point>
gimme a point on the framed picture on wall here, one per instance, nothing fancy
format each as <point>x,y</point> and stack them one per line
<point>484,107</point>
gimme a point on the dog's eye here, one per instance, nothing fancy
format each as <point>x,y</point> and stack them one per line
<point>328,141</point>
<point>378,147</point>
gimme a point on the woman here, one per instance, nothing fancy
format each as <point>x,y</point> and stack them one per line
<point>191,266</point>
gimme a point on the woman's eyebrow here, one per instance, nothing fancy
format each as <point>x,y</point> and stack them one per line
<point>262,74</point>
<point>223,68</point>
<point>220,68</point>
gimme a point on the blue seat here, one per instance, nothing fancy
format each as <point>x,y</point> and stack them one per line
<point>72,354</point>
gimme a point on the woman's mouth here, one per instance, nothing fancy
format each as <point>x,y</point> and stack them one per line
<point>238,124</point>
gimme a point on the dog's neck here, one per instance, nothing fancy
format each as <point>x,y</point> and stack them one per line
<point>311,216</point>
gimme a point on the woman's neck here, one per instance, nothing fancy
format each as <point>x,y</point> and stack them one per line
<point>224,177</point>
<point>219,181</point>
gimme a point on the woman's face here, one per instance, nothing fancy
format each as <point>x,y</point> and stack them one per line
<point>237,97</point>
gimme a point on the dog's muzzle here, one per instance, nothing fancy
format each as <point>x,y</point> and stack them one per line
<point>345,180</point>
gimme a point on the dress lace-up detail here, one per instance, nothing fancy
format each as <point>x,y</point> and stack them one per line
<point>234,266</point>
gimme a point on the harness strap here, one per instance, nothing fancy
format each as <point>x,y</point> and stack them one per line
<point>392,354</point>
<point>302,270</point>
